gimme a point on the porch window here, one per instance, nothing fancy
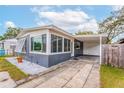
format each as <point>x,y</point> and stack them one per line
<point>24,47</point>
<point>53,43</point>
<point>69,43</point>
<point>77,45</point>
<point>20,45</point>
<point>44,42</point>
<point>56,43</point>
<point>66,45</point>
<point>59,44</point>
<point>38,43</point>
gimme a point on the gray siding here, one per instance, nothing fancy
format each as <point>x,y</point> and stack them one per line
<point>78,52</point>
<point>40,59</point>
<point>58,58</point>
<point>47,60</point>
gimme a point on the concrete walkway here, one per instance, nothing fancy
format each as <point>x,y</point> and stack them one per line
<point>6,81</point>
<point>26,66</point>
<point>75,74</point>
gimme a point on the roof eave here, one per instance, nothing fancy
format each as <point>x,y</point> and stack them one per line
<point>43,27</point>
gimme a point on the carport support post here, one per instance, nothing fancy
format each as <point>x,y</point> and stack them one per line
<point>72,49</point>
<point>100,49</point>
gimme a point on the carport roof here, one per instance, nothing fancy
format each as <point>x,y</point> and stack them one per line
<point>91,38</point>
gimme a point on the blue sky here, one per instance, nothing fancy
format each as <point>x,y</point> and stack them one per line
<point>70,18</point>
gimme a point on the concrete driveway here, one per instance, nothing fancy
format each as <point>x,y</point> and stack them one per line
<point>72,74</point>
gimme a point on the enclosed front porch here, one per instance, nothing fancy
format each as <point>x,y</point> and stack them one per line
<point>46,47</point>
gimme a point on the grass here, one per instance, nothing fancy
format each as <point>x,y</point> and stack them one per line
<point>13,71</point>
<point>111,77</point>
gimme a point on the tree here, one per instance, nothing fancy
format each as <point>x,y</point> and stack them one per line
<point>1,38</point>
<point>11,33</point>
<point>113,25</point>
<point>84,33</point>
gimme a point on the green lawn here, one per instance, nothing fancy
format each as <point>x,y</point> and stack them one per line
<point>111,77</point>
<point>14,72</point>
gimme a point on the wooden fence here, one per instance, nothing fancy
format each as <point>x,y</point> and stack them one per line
<point>113,55</point>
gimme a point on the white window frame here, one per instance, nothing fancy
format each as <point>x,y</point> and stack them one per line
<point>62,44</point>
<point>52,53</point>
<point>24,38</point>
<point>22,48</point>
<point>67,45</point>
<point>38,52</point>
<point>57,44</point>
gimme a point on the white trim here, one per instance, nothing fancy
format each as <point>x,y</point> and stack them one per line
<point>34,33</point>
<point>98,35</point>
<point>63,44</point>
<point>60,53</point>
<point>47,27</point>
<point>29,43</point>
<point>58,34</point>
<point>25,35</point>
<point>38,32</point>
<point>48,43</point>
<point>57,44</point>
<point>90,38</point>
<point>35,52</point>
<point>72,54</point>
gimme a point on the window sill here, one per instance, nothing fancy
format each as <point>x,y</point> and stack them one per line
<point>60,53</point>
<point>35,52</point>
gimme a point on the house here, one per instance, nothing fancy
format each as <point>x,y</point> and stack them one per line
<point>50,45</point>
<point>8,45</point>
<point>120,41</point>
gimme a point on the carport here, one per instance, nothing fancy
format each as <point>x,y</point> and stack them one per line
<point>91,44</point>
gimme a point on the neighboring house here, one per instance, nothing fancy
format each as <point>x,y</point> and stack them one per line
<point>50,45</point>
<point>8,45</point>
<point>121,41</point>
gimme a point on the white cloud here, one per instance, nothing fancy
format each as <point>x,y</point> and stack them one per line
<point>9,24</point>
<point>117,7</point>
<point>40,23</point>
<point>41,8</point>
<point>70,20</point>
<point>90,25</point>
<point>67,17</point>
